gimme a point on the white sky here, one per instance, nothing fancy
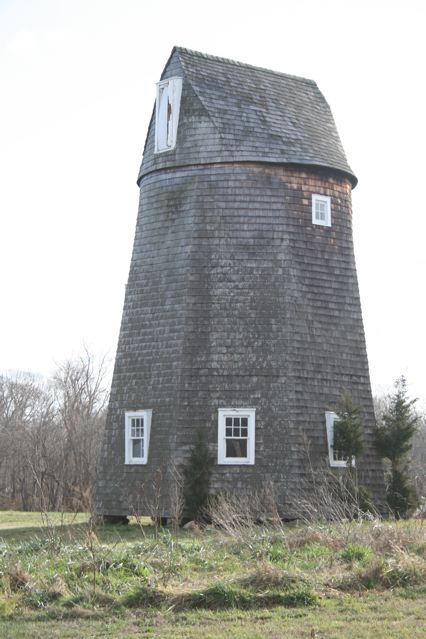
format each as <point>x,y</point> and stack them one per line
<point>77,82</point>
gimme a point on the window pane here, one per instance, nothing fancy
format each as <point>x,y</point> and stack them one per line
<point>162,113</point>
<point>229,432</point>
<point>236,421</point>
<point>236,448</point>
<point>244,432</point>
<point>320,210</point>
<point>244,421</point>
<point>137,427</point>
<point>137,448</point>
<point>338,455</point>
<point>229,421</point>
<point>169,123</point>
<point>236,432</point>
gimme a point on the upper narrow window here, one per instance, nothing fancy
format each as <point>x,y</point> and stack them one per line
<point>137,431</point>
<point>337,458</point>
<point>167,108</point>
<point>236,435</point>
<point>321,210</point>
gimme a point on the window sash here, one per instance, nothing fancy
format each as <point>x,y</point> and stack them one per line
<point>236,448</point>
<point>336,457</point>
<point>137,448</point>
<point>137,437</point>
<point>137,432</point>
<point>236,436</point>
<point>321,210</point>
<point>167,108</point>
<point>162,118</point>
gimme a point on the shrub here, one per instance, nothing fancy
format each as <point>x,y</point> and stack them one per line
<point>365,578</point>
<point>196,474</point>
<point>18,578</point>
<point>393,442</point>
<point>398,425</point>
<point>303,597</point>
<point>278,552</point>
<point>225,596</point>
<point>266,577</point>
<point>141,597</point>
<point>400,494</point>
<point>218,597</point>
<point>348,429</point>
<point>355,552</point>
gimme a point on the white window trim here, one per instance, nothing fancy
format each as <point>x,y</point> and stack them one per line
<point>174,91</point>
<point>146,415</point>
<point>221,450</point>
<point>330,418</point>
<point>327,200</point>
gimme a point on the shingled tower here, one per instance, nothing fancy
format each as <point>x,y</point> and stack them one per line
<point>242,313</point>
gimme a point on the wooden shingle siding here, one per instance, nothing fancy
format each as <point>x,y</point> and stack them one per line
<point>234,298</point>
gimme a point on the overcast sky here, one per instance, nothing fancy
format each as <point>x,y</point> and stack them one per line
<point>77,82</point>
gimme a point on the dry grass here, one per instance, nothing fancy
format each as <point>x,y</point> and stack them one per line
<point>246,566</point>
<point>235,515</point>
<point>16,577</point>
<point>58,588</point>
<point>268,576</point>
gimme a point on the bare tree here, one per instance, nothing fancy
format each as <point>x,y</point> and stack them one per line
<point>81,400</point>
<point>50,434</point>
<point>26,413</point>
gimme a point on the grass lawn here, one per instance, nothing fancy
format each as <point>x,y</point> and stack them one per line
<point>16,525</point>
<point>58,578</point>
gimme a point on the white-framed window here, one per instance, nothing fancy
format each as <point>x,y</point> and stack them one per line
<point>167,107</point>
<point>137,426</point>
<point>321,210</point>
<point>236,428</point>
<point>337,458</point>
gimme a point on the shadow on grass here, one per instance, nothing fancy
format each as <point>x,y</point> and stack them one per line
<point>106,533</point>
<point>19,534</point>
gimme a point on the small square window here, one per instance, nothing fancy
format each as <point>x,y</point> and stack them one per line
<point>137,426</point>
<point>236,427</point>
<point>321,210</point>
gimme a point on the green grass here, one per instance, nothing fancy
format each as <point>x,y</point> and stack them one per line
<point>349,580</point>
<point>17,526</point>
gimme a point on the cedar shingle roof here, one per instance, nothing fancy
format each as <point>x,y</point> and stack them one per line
<point>232,111</point>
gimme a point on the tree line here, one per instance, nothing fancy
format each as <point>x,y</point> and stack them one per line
<point>50,436</point>
<point>51,432</point>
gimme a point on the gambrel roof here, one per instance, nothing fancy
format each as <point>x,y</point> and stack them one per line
<point>234,112</point>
